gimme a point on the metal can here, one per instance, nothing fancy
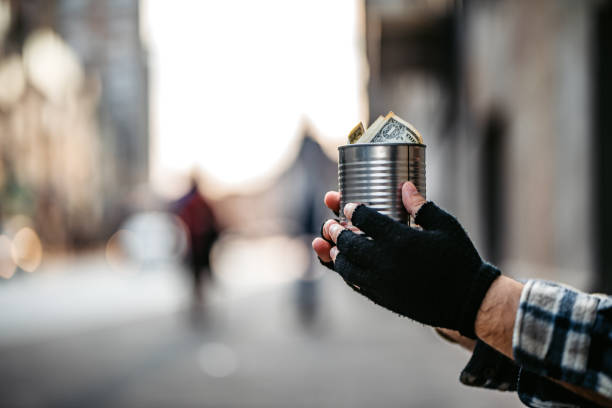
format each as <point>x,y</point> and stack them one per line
<point>373,174</point>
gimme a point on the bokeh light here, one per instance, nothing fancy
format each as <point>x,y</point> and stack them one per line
<point>52,66</point>
<point>27,249</point>
<point>151,237</point>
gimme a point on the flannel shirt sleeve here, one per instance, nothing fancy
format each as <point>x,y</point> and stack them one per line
<point>562,334</point>
<point>490,369</point>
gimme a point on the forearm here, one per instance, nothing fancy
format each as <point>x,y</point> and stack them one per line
<point>495,325</point>
<point>495,319</point>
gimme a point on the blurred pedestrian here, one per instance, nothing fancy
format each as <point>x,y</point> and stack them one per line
<point>550,343</point>
<point>202,229</point>
<point>311,175</point>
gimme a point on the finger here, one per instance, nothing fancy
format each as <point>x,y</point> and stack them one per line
<point>333,253</point>
<point>373,223</point>
<point>411,198</point>
<point>351,273</point>
<point>322,248</point>
<point>360,279</point>
<point>354,229</point>
<point>358,249</point>
<point>447,334</point>
<point>350,227</point>
<point>431,217</point>
<point>334,230</point>
<point>323,233</point>
<point>332,201</point>
<point>325,230</point>
<point>454,336</point>
<point>328,265</point>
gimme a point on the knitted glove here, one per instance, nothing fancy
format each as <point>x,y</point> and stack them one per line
<point>434,275</point>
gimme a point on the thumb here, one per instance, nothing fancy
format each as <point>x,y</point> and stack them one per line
<point>411,198</point>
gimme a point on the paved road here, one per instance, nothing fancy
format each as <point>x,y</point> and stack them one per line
<point>250,351</point>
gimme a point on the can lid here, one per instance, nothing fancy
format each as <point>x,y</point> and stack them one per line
<point>381,144</point>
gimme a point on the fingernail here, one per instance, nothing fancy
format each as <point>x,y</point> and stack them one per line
<point>333,253</point>
<point>349,209</point>
<point>326,228</point>
<point>334,231</point>
<point>409,189</point>
<point>411,198</point>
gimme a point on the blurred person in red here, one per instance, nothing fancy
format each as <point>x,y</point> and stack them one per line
<point>550,343</point>
<point>202,229</point>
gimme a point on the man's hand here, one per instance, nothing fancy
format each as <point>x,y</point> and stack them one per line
<point>322,247</point>
<point>434,275</point>
<point>454,336</point>
<point>495,317</point>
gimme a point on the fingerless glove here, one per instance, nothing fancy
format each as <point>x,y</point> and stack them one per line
<point>433,275</point>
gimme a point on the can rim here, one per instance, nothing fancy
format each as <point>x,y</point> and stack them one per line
<point>381,144</point>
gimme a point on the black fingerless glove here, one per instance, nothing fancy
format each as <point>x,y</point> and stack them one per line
<point>434,275</point>
<point>328,264</point>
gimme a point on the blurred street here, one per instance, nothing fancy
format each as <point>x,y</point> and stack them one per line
<point>163,167</point>
<point>127,339</point>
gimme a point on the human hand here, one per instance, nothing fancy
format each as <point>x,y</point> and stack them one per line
<point>434,275</point>
<point>453,336</point>
<point>321,246</point>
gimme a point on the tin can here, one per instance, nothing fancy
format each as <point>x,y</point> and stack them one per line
<point>373,174</point>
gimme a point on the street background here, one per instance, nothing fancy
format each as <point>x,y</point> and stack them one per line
<point>162,168</point>
<point>106,339</point>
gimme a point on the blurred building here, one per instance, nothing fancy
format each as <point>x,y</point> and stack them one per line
<point>511,98</point>
<point>106,37</point>
<point>73,114</point>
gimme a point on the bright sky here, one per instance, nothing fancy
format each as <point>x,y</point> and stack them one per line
<point>233,81</point>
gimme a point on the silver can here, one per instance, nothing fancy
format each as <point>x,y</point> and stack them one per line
<point>373,174</point>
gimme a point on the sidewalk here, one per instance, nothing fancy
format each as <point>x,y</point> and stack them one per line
<point>134,346</point>
<point>74,294</point>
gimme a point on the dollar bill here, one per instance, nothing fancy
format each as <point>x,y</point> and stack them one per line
<point>395,130</point>
<point>371,131</point>
<point>356,133</point>
<point>412,129</point>
<point>388,129</point>
<point>376,125</point>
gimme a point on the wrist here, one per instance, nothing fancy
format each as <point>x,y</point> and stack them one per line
<point>479,285</point>
<point>497,313</point>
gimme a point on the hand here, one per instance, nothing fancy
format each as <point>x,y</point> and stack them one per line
<point>321,246</point>
<point>454,336</point>
<point>434,276</point>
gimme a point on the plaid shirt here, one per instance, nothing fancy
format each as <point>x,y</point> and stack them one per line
<point>559,333</point>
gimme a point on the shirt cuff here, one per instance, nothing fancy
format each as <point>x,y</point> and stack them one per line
<point>490,369</point>
<point>540,392</point>
<point>552,333</point>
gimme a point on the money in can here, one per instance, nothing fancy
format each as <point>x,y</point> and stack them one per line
<point>373,174</point>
